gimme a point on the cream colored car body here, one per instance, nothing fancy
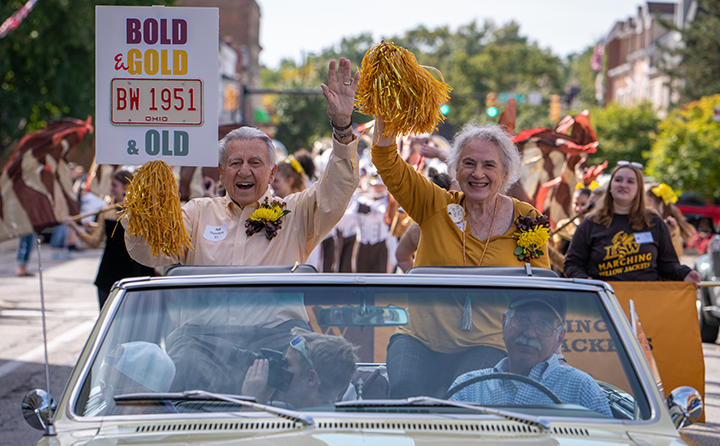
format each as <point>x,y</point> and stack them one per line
<point>350,428</point>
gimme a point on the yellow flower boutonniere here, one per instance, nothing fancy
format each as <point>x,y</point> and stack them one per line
<point>534,233</point>
<point>268,216</point>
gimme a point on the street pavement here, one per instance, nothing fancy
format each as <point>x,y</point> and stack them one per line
<point>72,308</point>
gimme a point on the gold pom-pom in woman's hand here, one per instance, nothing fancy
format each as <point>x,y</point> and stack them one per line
<point>402,92</point>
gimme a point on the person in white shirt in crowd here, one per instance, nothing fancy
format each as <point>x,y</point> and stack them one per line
<point>373,232</point>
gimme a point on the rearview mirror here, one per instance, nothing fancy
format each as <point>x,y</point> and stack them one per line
<point>38,408</point>
<point>685,405</point>
<point>362,316</point>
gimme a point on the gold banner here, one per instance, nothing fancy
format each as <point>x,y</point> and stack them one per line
<point>668,313</point>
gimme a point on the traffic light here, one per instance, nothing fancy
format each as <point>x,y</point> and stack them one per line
<point>491,105</point>
<point>444,109</point>
<point>554,107</point>
<point>232,97</point>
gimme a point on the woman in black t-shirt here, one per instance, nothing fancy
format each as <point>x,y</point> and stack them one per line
<point>622,240</point>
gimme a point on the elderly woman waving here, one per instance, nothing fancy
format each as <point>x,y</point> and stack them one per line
<point>473,226</point>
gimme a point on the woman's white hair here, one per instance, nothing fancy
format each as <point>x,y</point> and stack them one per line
<point>509,154</point>
<point>246,134</point>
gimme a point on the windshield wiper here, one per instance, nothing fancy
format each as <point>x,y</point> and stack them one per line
<point>539,422</point>
<point>203,395</point>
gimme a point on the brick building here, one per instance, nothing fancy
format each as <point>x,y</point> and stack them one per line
<point>239,54</point>
<point>635,55</point>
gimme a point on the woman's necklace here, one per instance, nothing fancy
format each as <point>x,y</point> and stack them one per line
<point>487,242</point>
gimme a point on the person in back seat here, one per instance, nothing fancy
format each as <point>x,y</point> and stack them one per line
<point>322,366</point>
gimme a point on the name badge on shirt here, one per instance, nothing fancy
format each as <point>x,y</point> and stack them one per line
<point>643,237</point>
<point>456,213</point>
<point>215,233</point>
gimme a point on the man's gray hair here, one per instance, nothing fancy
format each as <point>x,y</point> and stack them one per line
<point>246,134</point>
<point>509,154</point>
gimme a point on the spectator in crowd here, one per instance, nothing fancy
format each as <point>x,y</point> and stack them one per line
<point>700,240</point>
<point>472,226</point>
<point>289,179</point>
<point>373,233</point>
<point>116,263</point>
<point>346,231</point>
<point>622,240</point>
<point>661,200</point>
<point>25,247</point>
<point>565,228</point>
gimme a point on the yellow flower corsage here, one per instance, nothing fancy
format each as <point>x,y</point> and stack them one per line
<point>666,193</point>
<point>268,217</point>
<point>534,233</point>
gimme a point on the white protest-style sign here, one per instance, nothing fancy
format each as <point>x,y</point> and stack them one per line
<point>156,90</point>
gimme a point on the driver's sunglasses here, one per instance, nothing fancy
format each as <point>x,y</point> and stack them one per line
<point>298,343</point>
<point>630,163</point>
<point>542,328</point>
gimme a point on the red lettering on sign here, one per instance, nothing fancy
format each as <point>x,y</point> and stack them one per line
<point>121,103</point>
<point>134,99</point>
<point>118,63</point>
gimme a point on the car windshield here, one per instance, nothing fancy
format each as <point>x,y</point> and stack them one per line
<point>334,348</point>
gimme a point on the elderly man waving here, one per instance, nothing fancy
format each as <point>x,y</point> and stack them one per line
<point>230,230</point>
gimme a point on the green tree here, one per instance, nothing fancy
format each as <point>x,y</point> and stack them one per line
<point>47,64</point>
<point>624,133</point>
<point>700,53</point>
<point>300,119</point>
<point>685,153</point>
<point>476,60</point>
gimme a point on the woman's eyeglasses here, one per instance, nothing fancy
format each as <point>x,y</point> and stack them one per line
<point>630,163</point>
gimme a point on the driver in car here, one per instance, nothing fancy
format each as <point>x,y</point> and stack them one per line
<point>533,330</point>
<point>321,367</point>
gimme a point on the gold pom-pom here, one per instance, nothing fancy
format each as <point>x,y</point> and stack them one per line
<point>152,202</point>
<point>395,87</point>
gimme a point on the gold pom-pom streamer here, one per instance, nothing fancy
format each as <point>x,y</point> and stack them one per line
<point>395,87</point>
<point>152,202</point>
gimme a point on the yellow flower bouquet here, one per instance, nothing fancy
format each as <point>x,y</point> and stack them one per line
<point>534,233</point>
<point>268,217</point>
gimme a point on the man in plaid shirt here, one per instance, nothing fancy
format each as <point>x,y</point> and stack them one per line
<point>533,329</point>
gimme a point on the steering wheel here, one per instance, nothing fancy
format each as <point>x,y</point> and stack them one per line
<point>500,375</point>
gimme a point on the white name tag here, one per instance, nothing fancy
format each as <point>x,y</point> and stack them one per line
<point>215,233</point>
<point>456,213</point>
<point>643,237</point>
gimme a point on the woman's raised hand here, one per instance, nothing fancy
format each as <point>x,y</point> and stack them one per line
<point>378,138</point>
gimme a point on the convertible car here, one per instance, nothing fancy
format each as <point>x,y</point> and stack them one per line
<point>286,355</point>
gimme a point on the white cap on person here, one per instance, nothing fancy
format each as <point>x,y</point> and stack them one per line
<point>145,363</point>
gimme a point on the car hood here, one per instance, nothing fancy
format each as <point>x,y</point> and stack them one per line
<point>418,432</point>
